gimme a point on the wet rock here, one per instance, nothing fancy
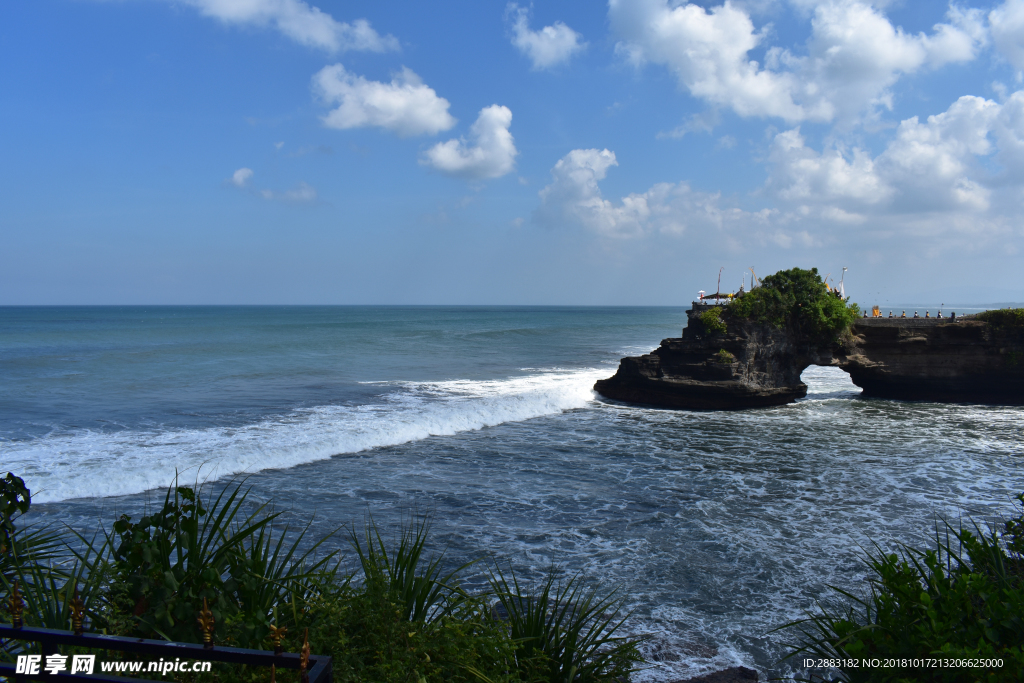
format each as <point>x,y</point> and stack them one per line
<point>736,674</point>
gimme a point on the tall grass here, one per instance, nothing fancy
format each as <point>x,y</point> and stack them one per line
<point>565,631</point>
<point>172,560</point>
<point>421,588</point>
<point>962,599</point>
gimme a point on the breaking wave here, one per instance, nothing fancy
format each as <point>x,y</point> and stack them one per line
<point>88,463</point>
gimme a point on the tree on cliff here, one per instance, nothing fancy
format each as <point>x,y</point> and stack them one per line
<point>797,299</point>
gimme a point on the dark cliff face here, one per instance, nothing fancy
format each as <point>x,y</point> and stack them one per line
<point>936,360</point>
<point>753,365</point>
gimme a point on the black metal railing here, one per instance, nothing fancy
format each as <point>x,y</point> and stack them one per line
<point>313,668</point>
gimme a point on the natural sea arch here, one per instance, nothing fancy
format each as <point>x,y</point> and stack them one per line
<point>828,381</point>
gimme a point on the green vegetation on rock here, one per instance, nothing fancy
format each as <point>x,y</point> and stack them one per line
<point>712,321</point>
<point>797,299</point>
<point>724,357</point>
<point>1003,317</point>
<point>963,599</point>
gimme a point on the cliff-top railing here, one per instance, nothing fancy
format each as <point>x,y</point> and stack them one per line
<point>886,321</point>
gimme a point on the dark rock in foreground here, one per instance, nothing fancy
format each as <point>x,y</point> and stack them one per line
<point>754,365</point>
<point>736,674</point>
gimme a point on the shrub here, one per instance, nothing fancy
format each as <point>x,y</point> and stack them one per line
<point>365,630</point>
<point>724,357</point>
<point>25,549</point>
<point>798,300</point>
<point>174,559</point>
<point>423,593</point>
<point>712,321</point>
<point>1003,317</point>
<point>406,621</point>
<point>565,632</point>
<point>962,599</point>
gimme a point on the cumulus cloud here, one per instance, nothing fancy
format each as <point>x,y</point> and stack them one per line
<point>1009,132</point>
<point>546,48</point>
<point>574,198</point>
<point>405,106</point>
<point>856,55</point>
<point>930,162</point>
<point>955,179</point>
<point>853,56</point>
<point>707,51</point>
<point>801,174</point>
<point>491,152</point>
<point>240,178</point>
<point>300,22</point>
<point>1007,25</point>
<point>927,167</point>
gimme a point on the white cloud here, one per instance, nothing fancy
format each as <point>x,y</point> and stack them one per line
<point>240,178</point>
<point>301,194</point>
<point>300,22</point>
<point>574,197</point>
<point>802,175</point>
<point>491,154</point>
<point>930,162</point>
<point>703,122</point>
<point>707,51</point>
<point>856,55</point>
<point>1007,25</point>
<point>548,47</point>
<point>405,105</point>
<point>926,167</point>
<point>1009,131</point>
<point>853,56</point>
<point>937,180</point>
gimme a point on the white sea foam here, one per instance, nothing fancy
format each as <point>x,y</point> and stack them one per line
<point>91,463</point>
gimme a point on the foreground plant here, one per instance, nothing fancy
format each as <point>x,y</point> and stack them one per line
<point>407,620</point>
<point>173,559</point>
<point>421,590</point>
<point>23,549</point>
<point>565,631</point>
<point>961,600</point>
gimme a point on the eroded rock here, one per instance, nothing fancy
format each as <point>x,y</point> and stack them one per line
<point>753,365</point>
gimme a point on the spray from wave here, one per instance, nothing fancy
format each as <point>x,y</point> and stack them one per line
<point>97,464</point>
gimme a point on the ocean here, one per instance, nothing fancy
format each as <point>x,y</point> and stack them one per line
<point>715,528</point>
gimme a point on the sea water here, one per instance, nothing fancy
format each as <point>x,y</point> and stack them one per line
<point>715,528</point>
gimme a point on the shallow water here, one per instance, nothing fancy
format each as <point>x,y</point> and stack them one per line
<point>715,527</point>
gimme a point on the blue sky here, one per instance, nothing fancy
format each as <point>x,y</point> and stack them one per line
<point>283,151</point>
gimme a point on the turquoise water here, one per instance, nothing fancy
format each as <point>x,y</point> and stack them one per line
<point>716,527</point>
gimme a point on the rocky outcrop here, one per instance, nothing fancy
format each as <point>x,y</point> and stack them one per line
<point>967,361</point>
<point>752,365</point>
